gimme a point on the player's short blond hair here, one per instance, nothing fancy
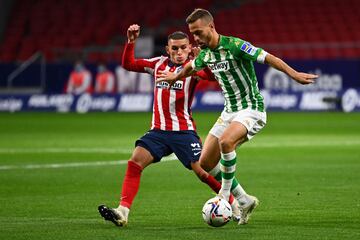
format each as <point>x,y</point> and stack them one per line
<point>199,13</point>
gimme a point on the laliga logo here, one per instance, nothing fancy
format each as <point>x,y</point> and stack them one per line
<point>350,100</point>
<point>84,103</point>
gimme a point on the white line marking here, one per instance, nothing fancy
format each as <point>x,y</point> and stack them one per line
<point>65,150</point>
<point>75,164</point>
<point>261,144</point>
<point>295,143</point>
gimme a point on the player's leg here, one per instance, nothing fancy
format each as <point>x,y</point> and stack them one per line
<point>149,148</point>
<point>187,147</point>
<point>215,186</point>
<point>233,135</point>
<point>244,126</point>
<point>210,155</point>
<point>139,160</point>
<point>210,161</point>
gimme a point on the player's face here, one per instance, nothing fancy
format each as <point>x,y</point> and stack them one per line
<point>202,32</point>
<point>178,50</point>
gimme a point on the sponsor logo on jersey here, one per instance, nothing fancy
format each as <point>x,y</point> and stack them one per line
<point>195,148</point>
<point>248,48</point>
<point>195,145</point>
<point>178,85</point>
<point>219,66</point>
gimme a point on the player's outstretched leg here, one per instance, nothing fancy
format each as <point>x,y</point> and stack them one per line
<point>119,216</point>
<point>140,159</point>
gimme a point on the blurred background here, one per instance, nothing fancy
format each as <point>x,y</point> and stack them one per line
<point>65,55</point>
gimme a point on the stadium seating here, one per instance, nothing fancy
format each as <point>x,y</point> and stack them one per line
<point>297,29</point>
<point>47,25</point>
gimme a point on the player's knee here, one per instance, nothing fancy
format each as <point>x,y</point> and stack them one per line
<point>139,161</point>
<point>226,144</point>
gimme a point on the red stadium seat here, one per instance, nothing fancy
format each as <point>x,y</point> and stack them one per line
<point>79,24</point>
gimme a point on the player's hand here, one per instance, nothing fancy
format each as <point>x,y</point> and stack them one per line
<point>195,52</point>
<point>166,76</point>
<point>133,32</point>
<point>304,78</point>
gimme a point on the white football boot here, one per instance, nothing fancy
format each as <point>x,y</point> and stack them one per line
<point>246,208</point>
<point>235,207</point>
<point>236,213</point>
<point>119,216</point>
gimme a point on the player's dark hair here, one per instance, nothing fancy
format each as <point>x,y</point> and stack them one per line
<point>199,13</point>
<point>178,35</point>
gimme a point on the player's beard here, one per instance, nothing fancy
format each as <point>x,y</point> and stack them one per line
<point>205,44</point>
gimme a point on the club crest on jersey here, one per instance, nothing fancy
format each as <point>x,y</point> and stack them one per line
<point>248,48</point>
<point>219,66</point>
<point>178,85</point>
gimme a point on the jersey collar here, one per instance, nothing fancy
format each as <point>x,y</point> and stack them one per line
<point>171,64</point>
<point>221,44</point>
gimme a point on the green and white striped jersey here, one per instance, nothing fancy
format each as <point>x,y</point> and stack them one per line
<point>232,64</point>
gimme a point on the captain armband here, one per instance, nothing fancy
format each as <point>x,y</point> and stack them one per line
<point>261,57</point>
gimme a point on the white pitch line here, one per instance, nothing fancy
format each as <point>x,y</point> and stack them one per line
<point>310,143</point>
<point>74,164</point>
<point>65,150</point>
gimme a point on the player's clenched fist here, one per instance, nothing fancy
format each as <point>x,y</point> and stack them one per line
<point>133,32</point>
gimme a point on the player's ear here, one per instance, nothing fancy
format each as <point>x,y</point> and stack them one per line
<point>167,49</point>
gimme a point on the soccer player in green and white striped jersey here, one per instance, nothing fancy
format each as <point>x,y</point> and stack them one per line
<point>231,61</point>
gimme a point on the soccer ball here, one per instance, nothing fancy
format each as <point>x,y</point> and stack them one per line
<point>216,212</point>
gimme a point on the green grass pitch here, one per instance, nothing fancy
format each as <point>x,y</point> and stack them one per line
<point>55,169</point>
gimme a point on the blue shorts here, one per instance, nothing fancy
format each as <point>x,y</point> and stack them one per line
<point>185,144</point>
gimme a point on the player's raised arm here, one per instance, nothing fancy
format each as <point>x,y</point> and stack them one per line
<point>129,62</point>
<point>300,77</point>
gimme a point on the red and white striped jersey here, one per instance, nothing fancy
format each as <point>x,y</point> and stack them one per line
<point>171,107</point>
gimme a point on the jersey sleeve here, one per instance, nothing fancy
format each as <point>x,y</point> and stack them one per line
<point>244,49</point>
<point>205,74</point>
<point>137,65</point>
<point>198,63</point>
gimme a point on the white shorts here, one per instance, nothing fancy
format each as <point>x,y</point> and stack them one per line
<point>253,120</point>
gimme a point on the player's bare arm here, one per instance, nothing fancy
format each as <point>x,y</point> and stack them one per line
<point>172,77</point>
<point>300,77</point>
<point>195,51</point>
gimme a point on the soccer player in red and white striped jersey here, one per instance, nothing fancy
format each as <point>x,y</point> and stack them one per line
<point>172,130</point>
<point>171,108</point>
